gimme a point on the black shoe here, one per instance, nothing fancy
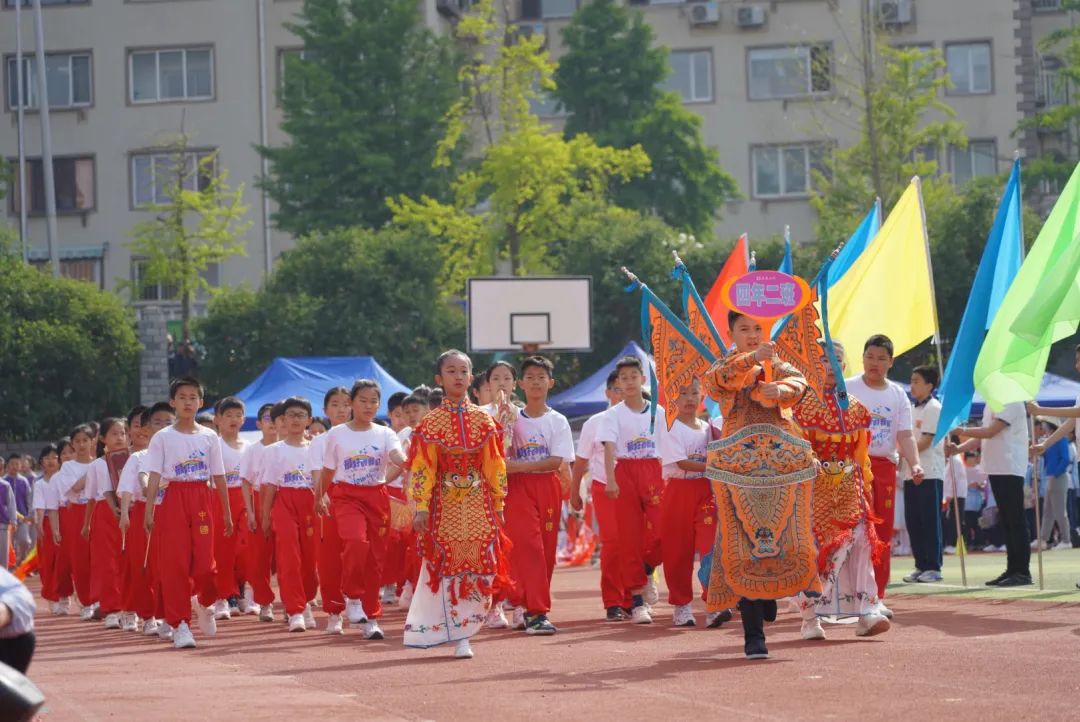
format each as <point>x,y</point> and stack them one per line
<point>756,649</point>
<point>769,606</point>
<point>1016,580</point>
<point>616,614</point>
<point>997,581</point>
<point>539,626</point>
<point>725,616</point>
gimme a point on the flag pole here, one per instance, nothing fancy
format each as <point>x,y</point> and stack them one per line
<point>961,548</point>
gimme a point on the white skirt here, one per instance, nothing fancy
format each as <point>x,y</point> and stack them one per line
<point>433,619</point>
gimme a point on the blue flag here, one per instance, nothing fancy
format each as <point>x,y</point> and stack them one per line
<point>858,242</point>
<point>786,265</point>
<point>997,269</point>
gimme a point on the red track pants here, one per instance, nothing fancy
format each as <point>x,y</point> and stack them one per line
<point>293,520</point>
<point>400,545</point>
<point>47,551</point>
<point>688,527</point>
<point>637,511</point>
<point>884,486</point>
<point>226,548</point>
<point>106,564</point>
<point>260,550</point>
<point>138,589</point>
<point>328,561</point>
<point>611,589</point>
<point>363,521</point>
<point>532,514</point>
<point>78,550</point>
<point>185,527</point>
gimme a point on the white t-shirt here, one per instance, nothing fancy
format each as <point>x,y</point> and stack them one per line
<point>316,452</point>
<point>540,438</point>
<point>924,420</point>
<point>67,477</point>
<point>360,457</point>
<point>97,480</point>
<point>890,413</point>
<point>41,494</point>
<point>1007,452</point>
<point>956,477</point>
<point>231,458</point>
<point>51,498</point>
<point>683,443</point>
<point>129,478</point>
<point>405,437</point>
<point>288,466</point>
<point>589,448</point>
<point>630,433</point>
<point>185,457</point>
<point>250,463</point>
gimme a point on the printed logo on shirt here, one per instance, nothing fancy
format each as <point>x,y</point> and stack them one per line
<point>296,477</point>
<point>232,477</point>
<point>881,422</point>
<point>640,446</point>
<point>193,468</point>
<point>363,466</point>
<point>696,456</point>
<point>534,449</point>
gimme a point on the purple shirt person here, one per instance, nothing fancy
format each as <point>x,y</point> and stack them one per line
<point>7,505</point>
<point>21,488</point>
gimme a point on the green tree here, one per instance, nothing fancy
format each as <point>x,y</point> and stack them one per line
<point>346,292</point>
<point>199,224</point>
<point>610,83</point>
<point>520,194</point>
<point>897,140</point>
<point>68,352</point>
<point>364,109</point>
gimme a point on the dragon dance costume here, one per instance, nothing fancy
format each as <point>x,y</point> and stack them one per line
<point>459,477</point>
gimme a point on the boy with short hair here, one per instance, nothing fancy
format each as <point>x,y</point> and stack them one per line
<point>184,458</point>
<point>228,418</point>
<point>338,409</point>
<point>890,432</point>
<point>922,499</point>
<point>394,410</point>
<point>635,481</point>
<point>259,597</point>
<point>288,506</point>
<point>541,442</point>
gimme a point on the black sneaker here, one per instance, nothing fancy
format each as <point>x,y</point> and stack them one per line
<point>756,649</point>
<point>616,614</point>
<point>715,620</point>
<point>539,626</point>
<point>770,610</point>
<point>997,581</point>
<point>1016,580</point>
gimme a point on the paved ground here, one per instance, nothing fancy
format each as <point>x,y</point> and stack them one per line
<point>947,657</point>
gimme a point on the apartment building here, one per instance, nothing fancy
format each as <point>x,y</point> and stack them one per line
<point>771,80</point>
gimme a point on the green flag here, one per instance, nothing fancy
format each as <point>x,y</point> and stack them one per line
<point>1041,306</point>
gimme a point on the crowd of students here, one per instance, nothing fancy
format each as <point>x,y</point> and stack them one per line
<point>167,517</point>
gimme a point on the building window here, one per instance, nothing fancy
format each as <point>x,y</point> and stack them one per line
<point>1045,5</point>
<point>978,159</point>
<point>1051,87</point>
<point>969,68</point>
<point>151,291</point>
<point>284,55</point>
<point>790,72</point>
<point>558,8</point>
<point>546,105</point>
<point>45,3</point>
<point>73,179</point>
<point>786,171</point>
<point>154,175</point>
<point>691,75</point>
<point>160,75</point>
<point>68,76</point>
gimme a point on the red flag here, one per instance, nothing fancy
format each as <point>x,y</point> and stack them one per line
<point>737,264</point>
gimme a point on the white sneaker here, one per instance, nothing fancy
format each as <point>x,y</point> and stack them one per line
<point>266,613</point>
<point>112,621</point>
<point>871,624</point>
<point>87,613</point>
<point>309,617</point>
<point>182,637</point>
<point>518,619</point>
<point>913,577</point>
<point>1063,545</point>
<point>811,629</point>
<point>165,632</point>
<point>296,623</point>
<point>133,622</point>
<point>389,594</point>
<point>683,616</point>
<point>333,624</point>
<point>463,650</point>
<point>150,627</point>
<point>496,618</point>
<point>354,611</point>
<point>949,550</point>
<point>205,617</point>
<point>884,611</point>
<point>930,576</point>
<point>650,593</point>
<point>640,615</point>
<point>405,599</point>
<point>372,631</point>
<point>247,602</point>
<point>221,609</point>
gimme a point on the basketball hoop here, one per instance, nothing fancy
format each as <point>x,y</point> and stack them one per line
<point>524,314</point>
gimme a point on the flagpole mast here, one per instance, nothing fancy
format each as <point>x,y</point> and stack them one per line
<point>961,547</point>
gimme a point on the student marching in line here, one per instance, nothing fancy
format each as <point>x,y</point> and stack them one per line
<point>71,484</point>
<point>288,508</point>
<point>55,505</point>
<point>636,483</point>
<point>338,409</point>
<point>100,526</point>
<point>355,463</point>
<point>402,561</point>
<point>185,458</point>
<point>590,459</point>
<point>541,442</point>
<point>47,520</point>
<point>259,598</point>
<point>228,418</point>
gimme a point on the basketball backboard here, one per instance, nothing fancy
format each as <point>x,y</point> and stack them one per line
<point>511,313</point>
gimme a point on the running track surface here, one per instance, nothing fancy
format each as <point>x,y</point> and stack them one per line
<point>945,658</point>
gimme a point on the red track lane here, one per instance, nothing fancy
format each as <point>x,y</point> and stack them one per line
<point>944,659</point>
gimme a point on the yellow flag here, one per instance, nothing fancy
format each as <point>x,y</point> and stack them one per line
<point>887,290</point>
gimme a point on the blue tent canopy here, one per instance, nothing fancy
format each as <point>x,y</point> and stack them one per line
<point>311,377</point>
<point>588,396</point>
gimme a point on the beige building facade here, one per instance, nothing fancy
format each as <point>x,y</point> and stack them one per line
<point>771,80</point>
